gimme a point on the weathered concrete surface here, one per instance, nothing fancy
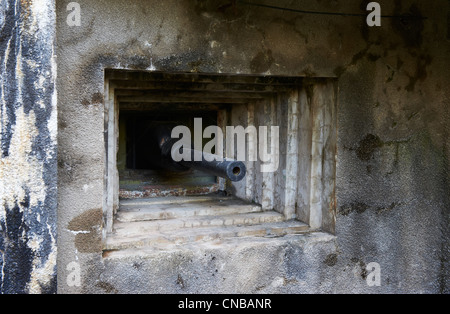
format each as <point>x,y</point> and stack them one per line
<point>28,164</point>
<point>392,170</point>
<point>279,265</point>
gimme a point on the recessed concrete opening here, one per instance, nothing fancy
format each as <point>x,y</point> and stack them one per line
<point>143,172</point>
<point>148,203</point>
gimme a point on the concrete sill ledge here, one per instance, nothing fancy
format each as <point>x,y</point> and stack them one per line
<point>239,265</point>
<point>152,226</point>
<point>209,246</point>
<point>303,240</point>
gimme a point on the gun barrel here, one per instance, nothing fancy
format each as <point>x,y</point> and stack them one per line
<point>221,167</point>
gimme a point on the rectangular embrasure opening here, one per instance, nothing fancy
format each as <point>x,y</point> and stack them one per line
<point>146,193</point>
<point>143,172</point>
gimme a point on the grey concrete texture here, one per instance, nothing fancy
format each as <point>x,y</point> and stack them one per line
<point>393,140</point>
<point>236,266</point>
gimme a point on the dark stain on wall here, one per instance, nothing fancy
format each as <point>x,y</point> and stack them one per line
<point>262,62</point>
<point>88,224</point>
<point>69,167</point>
<point>230,5</point>
<point>360,55</point>
<point>357,207</point>
<point>362,266</point>
<point>108,288</point>
<point>180,281</point>
<point>410,26</point>
<point>225,9</point>
<point>383,209</point>
<point>89,242</point>
<point>360,208</point>
<point>97,99</point>
<point>368,146</point>
<point>86,220</point>
<point>331,260</point>
<point>421,71</point>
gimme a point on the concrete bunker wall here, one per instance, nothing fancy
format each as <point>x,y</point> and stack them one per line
<point>390,175</point>
<point>392,147</point>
